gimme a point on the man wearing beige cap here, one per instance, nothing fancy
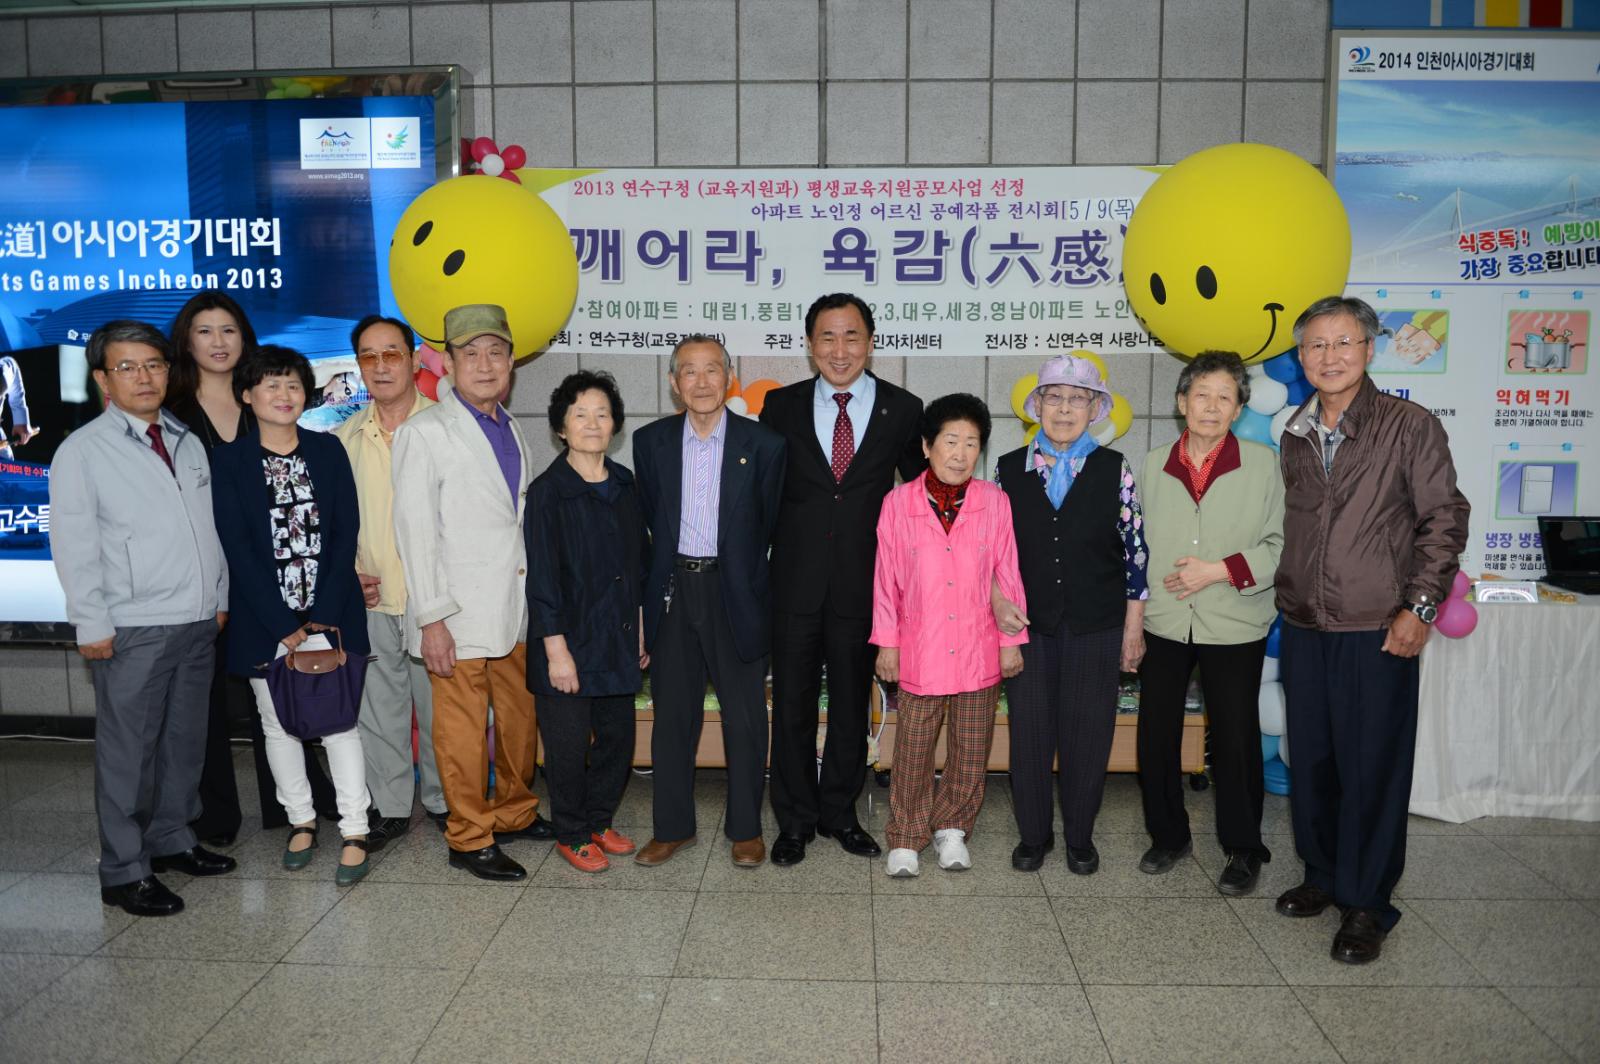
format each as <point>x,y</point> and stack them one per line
<point>460,482</point>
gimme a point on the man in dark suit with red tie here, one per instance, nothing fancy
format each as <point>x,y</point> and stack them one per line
<point>848,432</point>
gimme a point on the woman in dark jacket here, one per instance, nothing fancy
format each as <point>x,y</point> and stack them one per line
<point>286,511</point>
<point>586,541</point>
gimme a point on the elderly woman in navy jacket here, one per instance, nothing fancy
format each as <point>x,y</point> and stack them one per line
<point>285,504</point>
<point>586,539</point>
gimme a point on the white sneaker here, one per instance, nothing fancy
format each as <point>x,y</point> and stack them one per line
<point>953,855</point>
<point>902,864</point>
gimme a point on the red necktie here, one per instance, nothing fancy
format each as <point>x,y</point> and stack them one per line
<point>154,432</point>
<point>844,437</point>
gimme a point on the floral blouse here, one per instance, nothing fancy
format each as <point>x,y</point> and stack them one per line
<point>1130,519</point>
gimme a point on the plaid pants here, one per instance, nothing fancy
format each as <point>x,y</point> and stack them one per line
<point>915,810</point>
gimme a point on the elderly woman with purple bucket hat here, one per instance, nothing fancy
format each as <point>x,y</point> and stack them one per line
<point>1080,541</point>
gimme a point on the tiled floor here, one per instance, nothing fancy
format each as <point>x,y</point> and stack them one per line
<point>1497,959</point>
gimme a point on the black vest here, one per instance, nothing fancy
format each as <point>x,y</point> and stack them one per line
<point>1071,559</point>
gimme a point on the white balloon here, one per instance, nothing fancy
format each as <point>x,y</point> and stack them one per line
<point>1271,708</point>
<point>1283,745</point>
<point>493,165</point>
<point>1267,396</point>
<point>1269,670</point>
<point>1104,433</point>
<point>1280,421</point>
<point>1256,371</point>
<point>739,406</point>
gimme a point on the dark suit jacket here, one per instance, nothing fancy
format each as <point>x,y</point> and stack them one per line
<point>752,481</point>
<point>259,618</point>
<point>827,539</point>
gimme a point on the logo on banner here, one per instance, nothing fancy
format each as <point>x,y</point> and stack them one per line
<point>335,144</point>
<point>395,144</point>
<point>1361,61</point>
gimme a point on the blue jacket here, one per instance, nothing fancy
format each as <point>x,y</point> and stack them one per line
<point>260,618</point>
<point>586,567</point>
<point>747,513</point>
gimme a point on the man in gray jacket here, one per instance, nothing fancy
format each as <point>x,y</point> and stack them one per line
<point>135,548</point>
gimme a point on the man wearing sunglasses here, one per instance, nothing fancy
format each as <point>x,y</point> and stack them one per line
<point>396,682</point>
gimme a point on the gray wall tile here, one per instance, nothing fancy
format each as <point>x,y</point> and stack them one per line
<point>866,39</point>
<point>1165,369</point>
<point>695,40</point>
<point>1004,437</point>
<point>63,46</point>
<point>950,38</point>
<point>1164,431</point>
<point>931,376</point>
<point>1033,122</point>
<point>477,112</point>
<point>140,44</point>
<point>616,125</point>
<point>1203,39</point>
<point>454,33</point>
<point>777,39</point>
<point>1129,377</point>
<point>638,380</point>
<point>14,48</point>
<point>542,446</point>
<point>532,43</point>
<point>216,40</point>
<point>1199,114</point>
<point>1116,122</point>
<point>1035,38</point>
<point>949,122</point>
<point>1004,371</point>
<point>613,41</point>
<point>1134,444</point>
<point>80,686</point>
<point>866,123</point>
<point>697,125</point>
<point>1119,40</point>
<point>33,680</point>
<point>778,125</point>
<point>891,368</point>
<point>298,38</point>
<point>371,36</point>
<point>785,369</point>
<point>531,384</point>
<point>538,118</point>
<point>1286,114</point>
<point>1288,38</point>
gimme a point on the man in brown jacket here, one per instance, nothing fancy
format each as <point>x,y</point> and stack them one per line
<point>1373,528</point>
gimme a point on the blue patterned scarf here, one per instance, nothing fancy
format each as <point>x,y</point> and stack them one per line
<point>1069,460</point>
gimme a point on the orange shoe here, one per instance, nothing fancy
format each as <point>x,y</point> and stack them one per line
<point>585,858</point>
<point>614,843</point>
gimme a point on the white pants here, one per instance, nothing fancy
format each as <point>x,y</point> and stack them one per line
<point>286,755</point>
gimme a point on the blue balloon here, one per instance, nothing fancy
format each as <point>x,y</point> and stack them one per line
<point>1269,747</point>
<point>1254,426</point>
<point>1276,777</point>
<point>1284,368</point>
<point>1275,637</point>
<point>1299,391</point>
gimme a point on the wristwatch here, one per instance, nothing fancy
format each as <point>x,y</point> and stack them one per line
<point>1426,612</point>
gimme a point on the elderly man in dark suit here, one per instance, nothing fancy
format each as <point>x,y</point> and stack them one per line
<point>710,484</point>
<point>848,432</point>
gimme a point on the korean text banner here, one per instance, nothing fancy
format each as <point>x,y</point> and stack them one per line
<point>953,261</point>
<point>1470,168</point>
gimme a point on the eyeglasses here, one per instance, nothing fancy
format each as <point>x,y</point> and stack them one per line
<point>1342,346</point>
<point>1076,400</point>
<point>389,356</point>
<point>156,367</point>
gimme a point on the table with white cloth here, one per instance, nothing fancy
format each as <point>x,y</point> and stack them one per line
<point>1508,720</point>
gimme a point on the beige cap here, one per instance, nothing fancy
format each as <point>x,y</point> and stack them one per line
<point>465,324</point>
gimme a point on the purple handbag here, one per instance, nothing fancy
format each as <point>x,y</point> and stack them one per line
<point>317,692</point>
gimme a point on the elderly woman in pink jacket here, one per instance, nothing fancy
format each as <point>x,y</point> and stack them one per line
<point>944,540</point>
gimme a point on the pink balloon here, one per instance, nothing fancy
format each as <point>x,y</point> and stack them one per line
<point>1461,585</point>
<point>1457,618</point>
<point>515,157</point>
<point>480,147</point>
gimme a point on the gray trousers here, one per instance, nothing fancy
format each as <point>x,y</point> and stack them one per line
<point>150,703</point>
<point>395,683</point>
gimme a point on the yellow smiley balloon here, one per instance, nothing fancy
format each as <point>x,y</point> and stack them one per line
<point>1229,246</point>
<point>478,239</point>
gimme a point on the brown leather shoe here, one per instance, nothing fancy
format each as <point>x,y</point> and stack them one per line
<point>750,852</point>
<point>656,852</point>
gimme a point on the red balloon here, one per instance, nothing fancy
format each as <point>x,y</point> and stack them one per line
<point>515,157</point>
<point>481,147</point>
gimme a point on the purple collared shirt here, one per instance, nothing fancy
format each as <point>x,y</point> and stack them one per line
<point>503,442</point>
<point>702,489</point>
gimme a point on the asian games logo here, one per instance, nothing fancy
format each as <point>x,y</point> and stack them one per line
<point>1360,61</point>
<point>397,140</point>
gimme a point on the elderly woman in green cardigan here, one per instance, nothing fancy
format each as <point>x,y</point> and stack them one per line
<point>1213,508</point>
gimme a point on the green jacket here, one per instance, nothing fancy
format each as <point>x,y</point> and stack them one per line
<point>1239,521</point>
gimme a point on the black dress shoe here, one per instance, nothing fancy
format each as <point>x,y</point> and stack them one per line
<point>1360,938</point>
<point>385,830</point>
<point>488,863</point>
<point>440,820</point>
<point>144,897</point>
<point>853,839</point>
<point>1083,862</point>
<point>1157,861</point>
<point>789,849</point>
<point>539,829</point>
<point>195,861</point>
<point>223,839</point>
<point>1027,858</point>
<point>1304,900</point>
<point>1240,875</point>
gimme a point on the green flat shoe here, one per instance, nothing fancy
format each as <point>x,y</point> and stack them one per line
<point>349,875</point>
<point>294,860</point>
